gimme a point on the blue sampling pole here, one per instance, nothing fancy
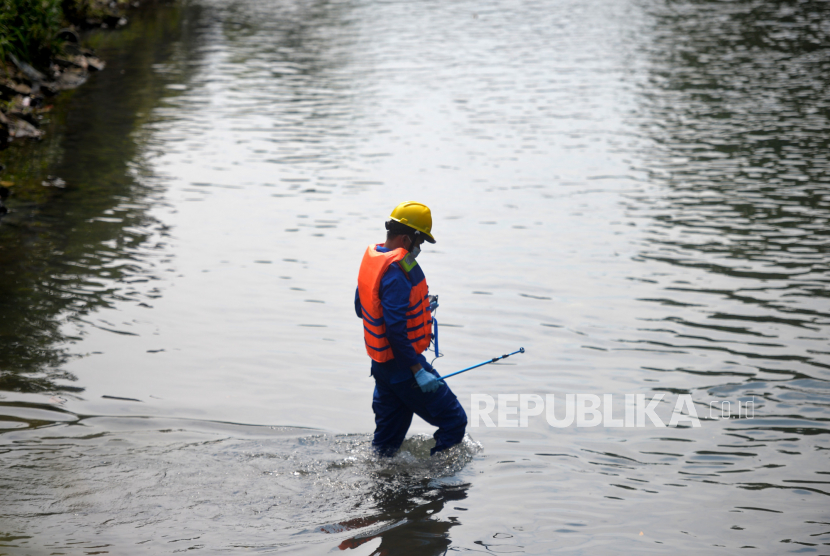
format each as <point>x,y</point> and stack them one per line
<point>433,305</point>
<point>493,360</point>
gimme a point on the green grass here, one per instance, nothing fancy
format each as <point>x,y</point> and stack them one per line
<point>28,29</point>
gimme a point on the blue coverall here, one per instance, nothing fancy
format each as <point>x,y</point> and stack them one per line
<point>397,395</point>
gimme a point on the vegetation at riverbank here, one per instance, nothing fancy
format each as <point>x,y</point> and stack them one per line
<point>80,187</point>
<point>31,30</point>
<point>40,55</point>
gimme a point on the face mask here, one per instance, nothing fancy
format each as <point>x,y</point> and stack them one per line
<point>414,251</point>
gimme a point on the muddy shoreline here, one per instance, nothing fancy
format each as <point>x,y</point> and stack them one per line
<point>27,92</point>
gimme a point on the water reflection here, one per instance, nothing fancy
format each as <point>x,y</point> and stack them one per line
<point>79,237</point>
<point>736,243</point>
<point>197,484</point>
<point>739,220</point>
<point>408,514</point>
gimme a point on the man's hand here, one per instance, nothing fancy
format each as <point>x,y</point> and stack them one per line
<point>427,381</point>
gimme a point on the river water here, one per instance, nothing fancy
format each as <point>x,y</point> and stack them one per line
<point>635,191</point>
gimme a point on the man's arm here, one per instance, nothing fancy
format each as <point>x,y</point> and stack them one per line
<point>394,298</point>
<point>357,308</point>
<point>359,312</point>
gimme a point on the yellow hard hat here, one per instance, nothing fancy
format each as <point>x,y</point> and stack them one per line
<point>415,215</point>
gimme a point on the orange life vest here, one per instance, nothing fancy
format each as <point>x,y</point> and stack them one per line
<point>418,316</point>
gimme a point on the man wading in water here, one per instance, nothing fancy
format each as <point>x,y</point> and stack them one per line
<point>392,299</point>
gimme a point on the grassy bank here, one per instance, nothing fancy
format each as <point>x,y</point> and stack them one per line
<point>40,55</point>
<point>30,29</point>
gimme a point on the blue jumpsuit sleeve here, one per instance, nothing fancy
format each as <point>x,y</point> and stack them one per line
<point>394,298</point>
<point>357,309</point>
